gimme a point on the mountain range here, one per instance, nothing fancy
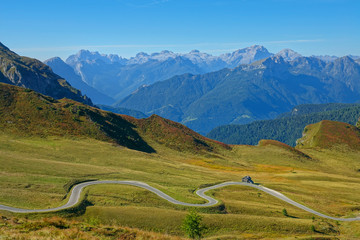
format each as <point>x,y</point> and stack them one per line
<point>107,78</point>
<point>256,91</point>
<point>204,91</point>
<point>35,75</point>
<point>118,77</point>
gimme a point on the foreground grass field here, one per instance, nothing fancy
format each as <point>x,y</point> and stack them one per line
<point>59,228</point>
<point>34,171</point>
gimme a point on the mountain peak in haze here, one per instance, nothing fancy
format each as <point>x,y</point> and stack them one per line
<point>87,56</point>
<point>276,65</point>
<point>354,57</point>
<point>246,55</point>
<point>288,54</point>
<point>343,62</point>
<point>194,51</point>
<point>347,58</point>
<point>66,71</point>
<point>256,48</point>
<point>54,60</point>
<point>326,58</point>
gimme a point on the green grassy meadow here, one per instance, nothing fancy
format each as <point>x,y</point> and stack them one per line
<point>34,171</point>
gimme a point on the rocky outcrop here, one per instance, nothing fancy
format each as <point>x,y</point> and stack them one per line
<point>31,73</point>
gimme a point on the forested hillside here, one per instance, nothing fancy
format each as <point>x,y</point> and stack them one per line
<point>287,129</point>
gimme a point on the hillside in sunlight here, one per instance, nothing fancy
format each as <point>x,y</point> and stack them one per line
<point>31,73</point>
<point>329,134</point>
<point>25,112</point>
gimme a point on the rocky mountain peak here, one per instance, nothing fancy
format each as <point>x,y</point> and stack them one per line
<point>274,60</point>
<point>246,55</point>
<point>345,62</point>
<point>5,51</point>
<point>54,60</point>
<point>288,54</point>
<point>326,58</point>
<point>4,47</point>
<point>345,66</point>
<point>166,52</point>
<point>195,51</point>
<point>347,59</point>
<point>354,57</point>
<point>87,56</point>
<point>33,74</point>
<point>163,55</point>
<point>142,54</point>
<point>84,53</point>
<point>257,48</point>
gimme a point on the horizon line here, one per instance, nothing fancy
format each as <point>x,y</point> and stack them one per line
<point>114,46</point>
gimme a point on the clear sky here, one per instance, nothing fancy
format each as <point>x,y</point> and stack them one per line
<point>48,28</point>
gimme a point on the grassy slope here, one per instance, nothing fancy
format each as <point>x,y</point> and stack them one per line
<point>59,228</point>
<point>34,171</point>
<point>25,112</point>
<point>35,168</point>
<point>329,134</point>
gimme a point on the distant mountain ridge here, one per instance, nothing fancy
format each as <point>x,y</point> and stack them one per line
<point>118,77</point>
<point>201,59</point>
<point>67,72</point>
<point>260,90</point>
<point>108,76</point>
<point>33,74</point>
<point>241,56</point>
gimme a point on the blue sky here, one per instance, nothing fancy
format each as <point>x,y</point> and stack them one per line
<point>47,28</point>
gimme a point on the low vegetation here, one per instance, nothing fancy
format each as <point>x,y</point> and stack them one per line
<point>192,225</point>
<point>57,228</point>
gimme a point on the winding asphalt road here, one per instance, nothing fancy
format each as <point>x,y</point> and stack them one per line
<point>76,191</point>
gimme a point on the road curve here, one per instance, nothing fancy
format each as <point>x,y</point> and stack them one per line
<point>77,189</point>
